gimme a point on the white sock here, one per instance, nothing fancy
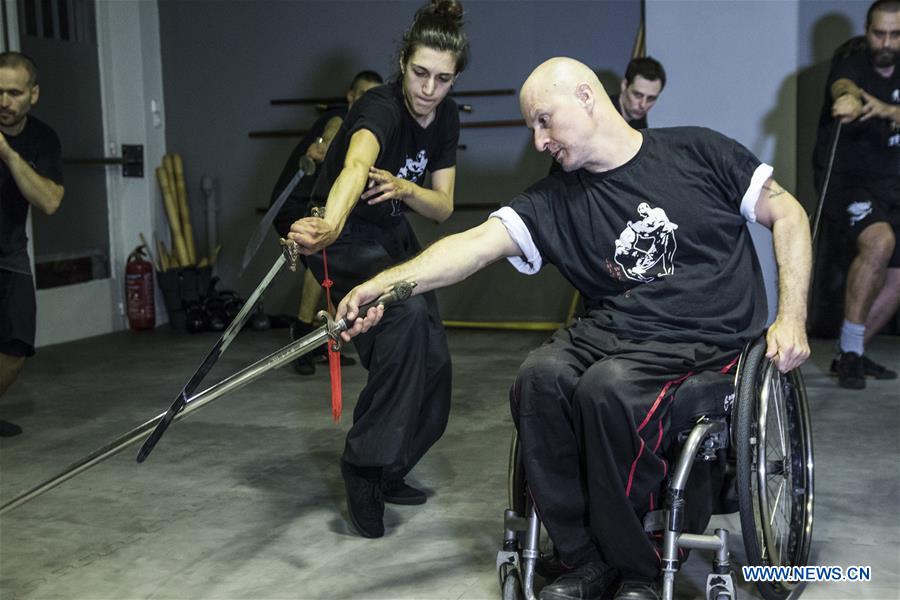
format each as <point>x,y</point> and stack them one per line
<point>852,335</point>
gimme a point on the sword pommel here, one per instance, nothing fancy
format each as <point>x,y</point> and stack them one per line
<point>307,165</point>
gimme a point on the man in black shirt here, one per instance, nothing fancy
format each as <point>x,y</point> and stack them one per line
<point>30,174</point>
<point>863,92</point>
<point>644,81</point>
<point>650,227</point>
<point>314,145</point>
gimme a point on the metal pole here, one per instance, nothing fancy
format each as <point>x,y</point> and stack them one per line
<point>831,153</point>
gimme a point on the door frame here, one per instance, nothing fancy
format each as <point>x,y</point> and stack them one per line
<point>130,66</point>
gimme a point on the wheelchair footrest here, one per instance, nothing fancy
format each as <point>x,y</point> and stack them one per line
<point>720,587</point>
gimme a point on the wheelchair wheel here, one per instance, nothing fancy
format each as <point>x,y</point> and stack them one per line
<point>512,586</point>
<point>773,443</point>
<point>520,500</point>
<point>518,493</point>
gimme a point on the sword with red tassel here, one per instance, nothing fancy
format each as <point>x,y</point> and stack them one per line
<point>329,333</point>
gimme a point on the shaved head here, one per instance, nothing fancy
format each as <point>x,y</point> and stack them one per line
<point>559,76</point>
<point>572,117</point>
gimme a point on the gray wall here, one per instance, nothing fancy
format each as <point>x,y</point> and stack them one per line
<point>223,62</point>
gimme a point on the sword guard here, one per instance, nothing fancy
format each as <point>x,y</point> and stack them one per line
<point>334,331</point>
<point>291,252</point>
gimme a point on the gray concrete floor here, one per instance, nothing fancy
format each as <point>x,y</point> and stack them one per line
<point>243,498</point>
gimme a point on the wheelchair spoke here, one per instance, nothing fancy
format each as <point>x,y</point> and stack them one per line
<point>777,407</point>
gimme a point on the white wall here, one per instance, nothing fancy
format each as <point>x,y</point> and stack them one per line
<point>131,75</point>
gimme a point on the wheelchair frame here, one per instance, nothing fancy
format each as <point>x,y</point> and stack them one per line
<point>770,441</point>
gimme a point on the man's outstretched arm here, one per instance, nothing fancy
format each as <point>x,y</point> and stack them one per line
<point>444,263</point>
<point>779,211</point>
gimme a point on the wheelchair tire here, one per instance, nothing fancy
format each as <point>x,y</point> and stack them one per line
<point>773,445</point>
<point>518,494</point>
<point>512,586</point>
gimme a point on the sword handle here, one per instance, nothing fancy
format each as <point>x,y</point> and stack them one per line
<point>399,292</point>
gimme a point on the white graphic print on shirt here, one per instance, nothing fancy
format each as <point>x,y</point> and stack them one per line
<point>646,248</point>
<point>411,171</point>
<point>859,211</point>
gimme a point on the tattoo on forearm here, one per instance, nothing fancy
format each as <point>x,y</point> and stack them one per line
<point>774,189</point>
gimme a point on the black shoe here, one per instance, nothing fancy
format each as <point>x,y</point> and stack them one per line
<point>587,582</point>
<point>850,371</point>
<point>365,505</point>
<point>305,365</point>
<point>638,590</point>
<point>549,566</point>
<point>870,368</point>
<point>8,429</point>
<point>397,491</point>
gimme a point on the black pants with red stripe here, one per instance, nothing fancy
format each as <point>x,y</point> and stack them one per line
<point>404,407</point>
<point>595,418</point>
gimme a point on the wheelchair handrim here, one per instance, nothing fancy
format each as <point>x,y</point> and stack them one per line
<point>776,421</point>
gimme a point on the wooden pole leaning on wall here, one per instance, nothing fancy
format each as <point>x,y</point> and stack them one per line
<point>183,210</point>
<point>165,186</point>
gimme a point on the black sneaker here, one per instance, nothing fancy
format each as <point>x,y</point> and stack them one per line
<point>590,581</point>
<point>870,368</point>
<point>873,369</point>
<point>850,371</point>
<point>397,491</point>
<point>639,590</point>
<point>306,364</point>
<point>365,504</point>
<point>8,429</point>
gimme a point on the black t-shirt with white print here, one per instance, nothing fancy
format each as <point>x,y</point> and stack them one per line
<point>658,247</point>
<point>407,150</point>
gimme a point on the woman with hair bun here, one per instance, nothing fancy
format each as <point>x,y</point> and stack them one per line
<point>373,174</point>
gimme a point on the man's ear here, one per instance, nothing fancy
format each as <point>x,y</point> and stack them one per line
<point>35,93</point>
<point>402,66</point>
<point>622,85</point>
<point>585,95</point>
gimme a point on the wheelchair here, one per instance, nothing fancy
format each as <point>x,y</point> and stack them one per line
<point>762,436</point>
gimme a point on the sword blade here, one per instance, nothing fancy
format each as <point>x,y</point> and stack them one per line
<point>217,350</point>
<point>400,291</point>
<point>307,167</point>
<point>235,382</point>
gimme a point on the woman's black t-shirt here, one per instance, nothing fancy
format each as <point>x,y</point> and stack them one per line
<point>407,150</point>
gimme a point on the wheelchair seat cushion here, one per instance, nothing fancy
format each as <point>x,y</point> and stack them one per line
<point>708,393</point>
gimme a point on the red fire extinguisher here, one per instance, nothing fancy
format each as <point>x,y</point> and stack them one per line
<point>139,290</point>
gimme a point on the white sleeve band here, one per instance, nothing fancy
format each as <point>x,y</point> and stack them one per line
<point>530,261</point>
<point>751,196</point>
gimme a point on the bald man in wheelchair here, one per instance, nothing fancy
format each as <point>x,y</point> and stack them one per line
<point>650,227</point>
